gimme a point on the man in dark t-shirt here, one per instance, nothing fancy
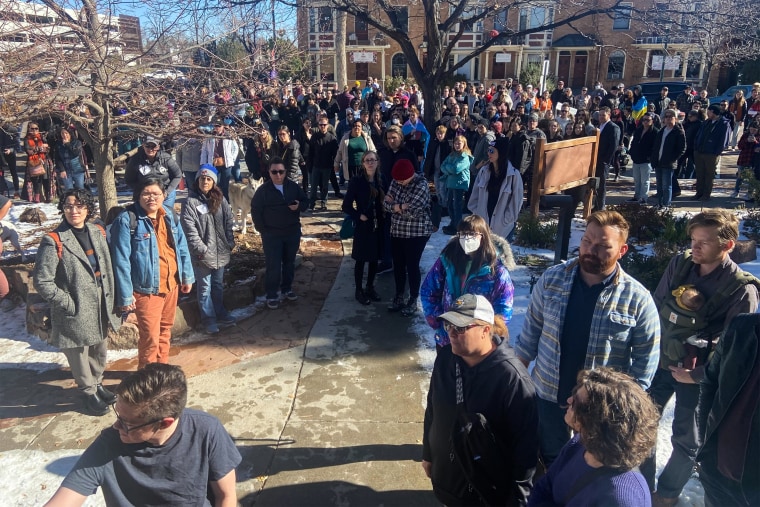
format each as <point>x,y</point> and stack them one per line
<point>157,452</point>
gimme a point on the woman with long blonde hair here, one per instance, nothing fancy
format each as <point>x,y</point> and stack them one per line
<point>456,169</point>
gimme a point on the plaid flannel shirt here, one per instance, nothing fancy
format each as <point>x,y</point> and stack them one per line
<point>415,220</point>
<point>625,329</point>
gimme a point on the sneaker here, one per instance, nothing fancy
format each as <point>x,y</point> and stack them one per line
<point>273,304</point>
<point>410,308</point>
<point>322,205</point>
<point>107,396</point>
<point>212,329</point>
<point>227,321</point>
<point>372,294</point>
<point>361,297</point>
<point>735,194</point>
<point>397,304</point>
<point>96,406</point>
<point>384,268</point>
<point>291,296</point>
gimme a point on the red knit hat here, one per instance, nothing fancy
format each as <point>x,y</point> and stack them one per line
<point>402,170</point>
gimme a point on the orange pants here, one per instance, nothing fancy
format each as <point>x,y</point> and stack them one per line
<point>155,318</point>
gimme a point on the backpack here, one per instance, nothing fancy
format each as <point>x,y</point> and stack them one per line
<point>59,246</point>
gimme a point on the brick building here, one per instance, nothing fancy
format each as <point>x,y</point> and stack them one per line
<point>613,47</point>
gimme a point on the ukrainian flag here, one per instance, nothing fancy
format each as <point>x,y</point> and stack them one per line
<point>639,108</point>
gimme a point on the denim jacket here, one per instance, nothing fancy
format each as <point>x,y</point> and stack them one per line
<point>625,329</point>
<point>135,256</point>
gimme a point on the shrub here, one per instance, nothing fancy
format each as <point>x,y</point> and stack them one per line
<point>534,232</point>
<point>647,269</point>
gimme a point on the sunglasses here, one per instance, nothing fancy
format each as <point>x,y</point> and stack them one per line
<point>128,428</point>
<point>276,172</point>
<point>451,328</point>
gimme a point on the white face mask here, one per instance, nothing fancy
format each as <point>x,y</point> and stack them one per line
<point>470,243</point>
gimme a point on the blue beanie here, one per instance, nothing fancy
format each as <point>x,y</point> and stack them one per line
<point>207,170</point>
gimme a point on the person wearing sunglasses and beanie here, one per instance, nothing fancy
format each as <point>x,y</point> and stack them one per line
<point>276,210</point>
<point>494,383</point>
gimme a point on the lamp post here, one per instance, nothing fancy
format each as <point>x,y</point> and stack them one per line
<point>665,51</point>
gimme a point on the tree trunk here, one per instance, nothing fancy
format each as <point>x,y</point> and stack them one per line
<point>341,72</point>
<point>431,93</point>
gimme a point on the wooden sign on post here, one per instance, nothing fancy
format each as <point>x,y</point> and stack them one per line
<point>561,166</point>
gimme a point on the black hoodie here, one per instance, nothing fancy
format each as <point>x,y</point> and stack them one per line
<point>500,388</point>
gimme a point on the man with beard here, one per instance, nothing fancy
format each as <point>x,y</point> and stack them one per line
<point>586,313</point>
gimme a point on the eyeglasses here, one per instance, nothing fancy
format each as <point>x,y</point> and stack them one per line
<point>128,428</point>
<point>451,328</point>
<point>468,235</point>
<point>277,172</point>
<point>151,196</point>
<point>68,208</point>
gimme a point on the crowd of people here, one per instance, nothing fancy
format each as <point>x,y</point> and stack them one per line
<point>607,354</point>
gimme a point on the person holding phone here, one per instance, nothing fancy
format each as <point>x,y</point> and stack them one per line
<point>276,210</point>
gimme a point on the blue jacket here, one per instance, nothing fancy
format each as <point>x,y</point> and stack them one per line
<point>135,256</point>
<point>456,168</point>
<point>712,139</point>
<point>442,286</point>
<point>625,329</point>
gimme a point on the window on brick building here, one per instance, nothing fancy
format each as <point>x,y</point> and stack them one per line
<point>398,65</point>
<point>615,65</point>
<point>622,20</point>
<point>321,20</point>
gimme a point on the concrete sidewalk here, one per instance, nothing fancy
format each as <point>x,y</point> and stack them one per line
<point>333,417</point>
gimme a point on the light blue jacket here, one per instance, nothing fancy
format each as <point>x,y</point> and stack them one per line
<point>456,168</point>
<point>625,329</point>
<point>135,257</point>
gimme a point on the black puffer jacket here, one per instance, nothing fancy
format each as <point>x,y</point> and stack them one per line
<point>291,156</point>
<point>499,388</point>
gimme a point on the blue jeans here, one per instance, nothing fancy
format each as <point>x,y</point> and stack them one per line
<point>280,259</point>
<point>170,198</point>
<point>455,204</point>
<point>235,172</point>
<point>210,285</point>
<point>664,176</point>
<point>223,180</point>
<point>641,180</point>
<point>553,432</point>
<point>72,180</point>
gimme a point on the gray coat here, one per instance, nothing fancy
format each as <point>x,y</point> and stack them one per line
<point>209,237</point>
<point>81,309</point>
